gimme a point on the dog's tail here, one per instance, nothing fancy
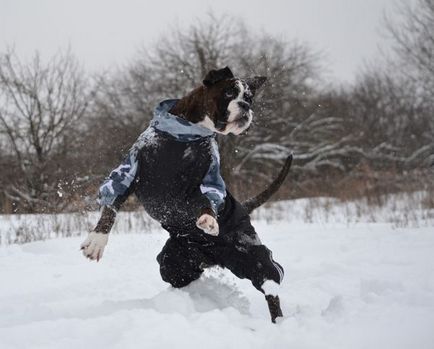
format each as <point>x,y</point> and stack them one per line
<point>261,198</point>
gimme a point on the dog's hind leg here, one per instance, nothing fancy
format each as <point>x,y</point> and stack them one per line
<point>267,276</point>
<point>255,262</point>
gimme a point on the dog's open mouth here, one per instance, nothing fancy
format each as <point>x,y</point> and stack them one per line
<point>241,119</point>
<point>239,124</point>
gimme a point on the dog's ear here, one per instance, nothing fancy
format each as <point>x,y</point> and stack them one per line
<point>214,76</point>
<point>255,83</point>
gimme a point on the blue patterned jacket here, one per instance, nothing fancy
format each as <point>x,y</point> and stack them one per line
<point>173,168</point>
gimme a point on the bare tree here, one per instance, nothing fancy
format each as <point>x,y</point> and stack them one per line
<point>40,105</point>
<point>413,37</point>
<point>181,58</point>
<point>401,97</point>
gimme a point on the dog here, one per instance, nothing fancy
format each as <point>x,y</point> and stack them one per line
<point>174,170</point>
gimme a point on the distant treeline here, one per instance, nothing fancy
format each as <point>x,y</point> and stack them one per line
<point>62,130</point>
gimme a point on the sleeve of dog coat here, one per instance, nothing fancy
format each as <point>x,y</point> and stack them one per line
<point>213,186</point>
<point>120,183</point>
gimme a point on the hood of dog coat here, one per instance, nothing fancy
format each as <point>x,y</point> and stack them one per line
<point>177,127</point>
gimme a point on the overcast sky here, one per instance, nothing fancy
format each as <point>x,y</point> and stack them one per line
<point>108,32</point>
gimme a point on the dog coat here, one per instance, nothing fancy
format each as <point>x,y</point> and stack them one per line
<point>173,168</point>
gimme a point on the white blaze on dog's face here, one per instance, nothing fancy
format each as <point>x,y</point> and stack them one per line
<point>239,110</point>
<point>229,101</point>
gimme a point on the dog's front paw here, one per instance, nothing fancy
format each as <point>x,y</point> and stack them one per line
<point>208,224</point>
<point>93,246</point>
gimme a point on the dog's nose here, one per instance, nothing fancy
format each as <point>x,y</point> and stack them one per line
<point>244,105</point>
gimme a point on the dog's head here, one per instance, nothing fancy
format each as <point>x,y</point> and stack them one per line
<point>228,101</point>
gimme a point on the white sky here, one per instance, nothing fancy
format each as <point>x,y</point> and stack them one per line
<point>108,32</point>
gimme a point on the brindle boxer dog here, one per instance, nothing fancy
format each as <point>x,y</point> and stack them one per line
<point>174,170</point>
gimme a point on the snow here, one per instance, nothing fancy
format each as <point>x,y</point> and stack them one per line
<point>271,288</point>
<point>363,285</point>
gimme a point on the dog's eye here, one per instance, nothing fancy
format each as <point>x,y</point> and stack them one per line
<point>229,94</point>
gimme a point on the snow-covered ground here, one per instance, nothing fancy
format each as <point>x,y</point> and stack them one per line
<point>349,286</point>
